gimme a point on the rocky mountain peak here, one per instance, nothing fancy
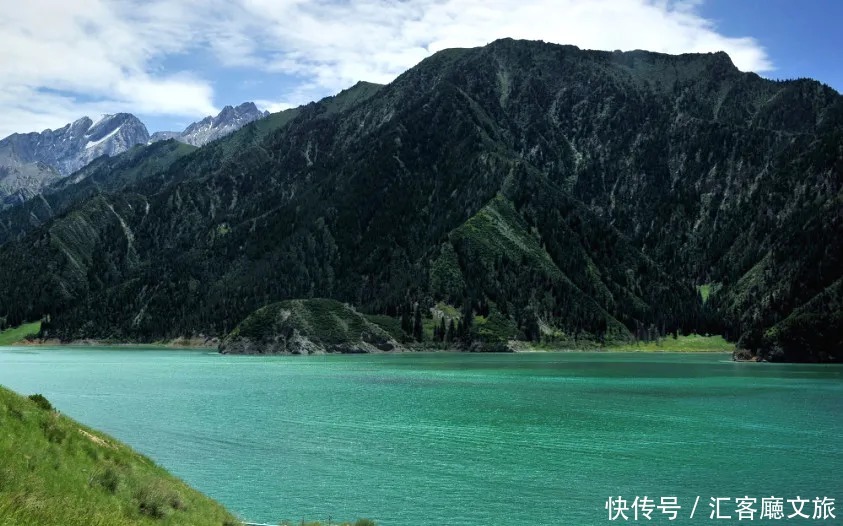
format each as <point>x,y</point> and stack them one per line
<point>30,161</point>
<point>226,113</point>
<point>79,125</point>
<point>248,107</point>
<point>229,119</point>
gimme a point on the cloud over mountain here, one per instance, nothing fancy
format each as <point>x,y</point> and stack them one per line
<point>88,57</point>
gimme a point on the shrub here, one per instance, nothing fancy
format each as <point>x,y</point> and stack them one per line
<point>109,479</point>
<point>177,503</point>
<point>54,432</point>
<point>15,412</point>
<point>152,501</point>
<point>155,500</point>
<point>364,522</point>
<point>41,401</point>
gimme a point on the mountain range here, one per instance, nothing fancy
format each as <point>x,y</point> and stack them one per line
<point>549,193</point>
<point>29,162</point>
<point>211,128</point>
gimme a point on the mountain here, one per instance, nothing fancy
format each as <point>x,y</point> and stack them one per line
<point>546,192</point>
<point>102,175</point>
<point>31,161</point>
<point>212,128</point>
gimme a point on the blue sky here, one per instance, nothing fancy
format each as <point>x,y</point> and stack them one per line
<point>803,38</point>
<point>172,62</point>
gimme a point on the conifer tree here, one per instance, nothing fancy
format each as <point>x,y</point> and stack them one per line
<point>531,324</point>
<point>418,332</point>
<point>467,320</point>
<point>406,324</point>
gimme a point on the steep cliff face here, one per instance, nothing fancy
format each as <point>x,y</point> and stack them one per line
<point>31,161</point>
<point>587,193</point>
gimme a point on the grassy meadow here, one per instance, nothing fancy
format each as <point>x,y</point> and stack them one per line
<point>689,343</point>
<point>16,334</point>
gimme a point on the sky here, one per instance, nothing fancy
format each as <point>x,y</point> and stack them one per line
<point>172,62</point>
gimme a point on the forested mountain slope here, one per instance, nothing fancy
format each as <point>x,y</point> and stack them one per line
<point>104,174</point>
<point>586,193</point>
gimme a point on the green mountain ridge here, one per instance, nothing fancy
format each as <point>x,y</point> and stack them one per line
<point>585,192</point>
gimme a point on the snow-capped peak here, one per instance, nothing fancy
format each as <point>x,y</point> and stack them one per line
<point>230,119</point>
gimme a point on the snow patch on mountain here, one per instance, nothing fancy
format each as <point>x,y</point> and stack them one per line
<point>92,144</point>
<point>31,161</point>
<point>211,128</point>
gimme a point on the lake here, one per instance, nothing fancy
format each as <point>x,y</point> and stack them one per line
<point>458,439</point>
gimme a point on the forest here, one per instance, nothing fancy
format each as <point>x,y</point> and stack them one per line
<point>554,194</point>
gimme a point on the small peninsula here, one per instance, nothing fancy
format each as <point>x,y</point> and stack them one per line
<point>314,326</point>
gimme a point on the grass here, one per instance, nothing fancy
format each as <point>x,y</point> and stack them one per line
<point>328,320</point>
<point>389,324</point>
<point>446,277</point>
<point>16,334</point>
<point>690,343</point>
<point>497,231</point>
<point>323,320</point>
<point>705,291</point>
<point>56,472</point>
<point>449,311</point>
<point>495,327</point>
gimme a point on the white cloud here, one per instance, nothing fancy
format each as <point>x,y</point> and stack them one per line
<point>273,106</point>
<point>64,59</point>
<point>61,60</point>
<point>332,45</point>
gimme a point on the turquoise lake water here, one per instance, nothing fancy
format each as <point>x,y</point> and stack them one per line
<point>458,439</point>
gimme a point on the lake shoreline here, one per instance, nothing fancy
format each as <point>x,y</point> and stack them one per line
<point>210,346</point>
<point>178,343</point>
<point>27,335</point>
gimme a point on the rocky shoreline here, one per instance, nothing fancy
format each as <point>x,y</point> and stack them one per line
<point>299,344</point>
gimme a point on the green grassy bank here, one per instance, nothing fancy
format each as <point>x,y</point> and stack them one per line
<point>690,343</point>
<point>16,334</point>
<point>54,471</point>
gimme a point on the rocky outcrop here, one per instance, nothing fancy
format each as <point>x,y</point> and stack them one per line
<point>297,343</point>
